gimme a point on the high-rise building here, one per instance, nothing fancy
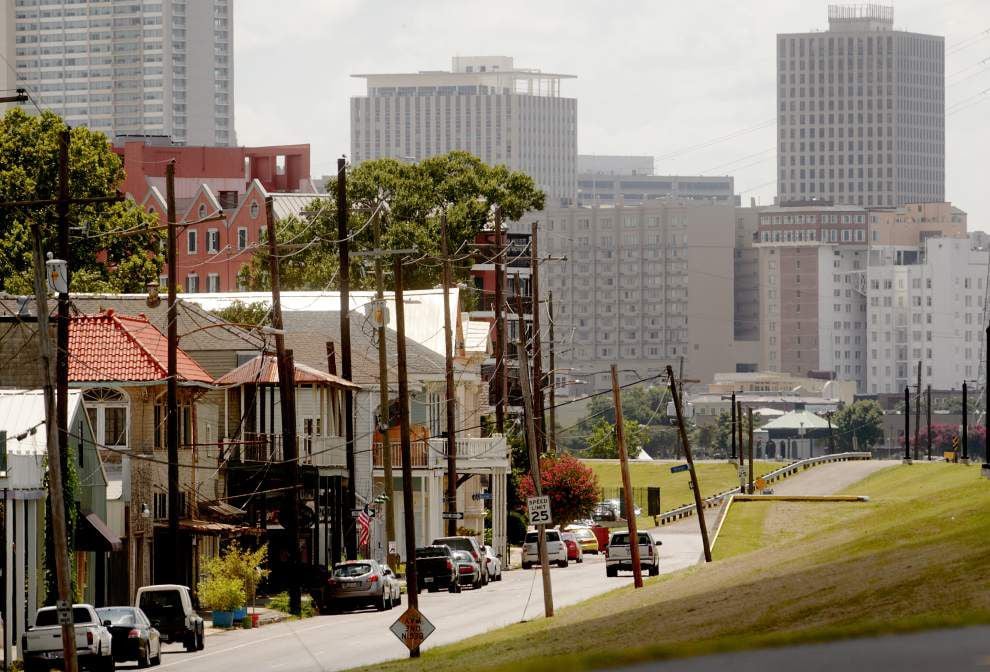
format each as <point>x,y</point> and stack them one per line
<point>861,112</point>
<point>607,179</point>
<point>161,68</point>
<point>484,105</point>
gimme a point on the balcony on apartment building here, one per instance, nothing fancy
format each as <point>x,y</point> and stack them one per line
<point>472,453</point>
<point>256,448</point>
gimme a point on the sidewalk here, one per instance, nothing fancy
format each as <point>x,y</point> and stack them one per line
<point>265,617</point>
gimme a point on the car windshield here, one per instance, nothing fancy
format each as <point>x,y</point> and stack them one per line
<point>48,617</point>
<point>584,534</point>
<point>567,536</point>
<point>463,556</point>
<point>432,552</point>
<point>356,569</point>
<point>456,543</point>
<point>117,615</point>
<point>161,602</point>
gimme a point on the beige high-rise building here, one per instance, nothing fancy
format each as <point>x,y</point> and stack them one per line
<point>484,105</point>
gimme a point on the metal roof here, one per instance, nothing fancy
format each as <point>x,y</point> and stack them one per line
<point>263,370</point>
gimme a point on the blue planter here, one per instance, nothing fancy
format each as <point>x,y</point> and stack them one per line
<point>240,614</point>
<point>223,619</point>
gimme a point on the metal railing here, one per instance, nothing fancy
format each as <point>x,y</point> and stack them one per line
<point>433,452</point>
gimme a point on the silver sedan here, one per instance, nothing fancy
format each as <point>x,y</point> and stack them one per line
<point>361,583</point>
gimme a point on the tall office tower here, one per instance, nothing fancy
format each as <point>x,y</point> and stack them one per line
<point>130,68</point>
<point>484,105</point>
<point>861,112</point>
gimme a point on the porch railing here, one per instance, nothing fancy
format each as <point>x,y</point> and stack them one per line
<point>318,451</point>
<point>433,453</point>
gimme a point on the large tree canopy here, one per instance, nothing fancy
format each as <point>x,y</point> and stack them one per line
<point>409,199</point>
<point>99,260</point>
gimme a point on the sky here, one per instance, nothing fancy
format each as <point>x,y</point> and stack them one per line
<point>691,83</point>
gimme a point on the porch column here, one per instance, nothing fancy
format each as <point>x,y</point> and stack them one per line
<point>34,567</point>
<point>8,575</point>
<point>498,511</point>
<point>19,548</point>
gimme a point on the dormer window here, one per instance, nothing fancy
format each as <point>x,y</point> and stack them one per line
<point>202,211</point>
<point>255,210</point>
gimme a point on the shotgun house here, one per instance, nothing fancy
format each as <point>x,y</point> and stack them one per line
<point>23,462</point>
<point>259,478</point>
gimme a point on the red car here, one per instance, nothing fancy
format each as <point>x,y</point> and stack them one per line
<point>573,547</point>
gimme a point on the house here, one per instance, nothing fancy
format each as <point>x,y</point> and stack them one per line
<point>23,434</point>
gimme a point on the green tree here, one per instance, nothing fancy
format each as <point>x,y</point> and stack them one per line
<point>602,442</point>
<point>240,312</point>
<point>862,419</point>
<point>408,198</point>
<point>99,259</point>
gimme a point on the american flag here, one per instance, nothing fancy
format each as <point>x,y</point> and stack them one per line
<point>364,525</point>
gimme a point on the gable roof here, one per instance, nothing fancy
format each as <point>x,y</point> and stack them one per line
<point>263,370</point>
<point>109,347</point>
<point>797,420</point>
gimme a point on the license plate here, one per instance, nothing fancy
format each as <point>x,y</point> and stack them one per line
<point>353,586</point>
<point>428,579</point>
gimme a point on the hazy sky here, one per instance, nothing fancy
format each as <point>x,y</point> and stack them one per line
<point>655,77</point>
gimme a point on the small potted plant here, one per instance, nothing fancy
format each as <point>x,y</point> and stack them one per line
<point>222,595</point>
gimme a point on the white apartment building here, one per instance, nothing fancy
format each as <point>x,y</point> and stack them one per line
<point>927,304</point>
<point>641,287</point>
<point>861,112</point>
<point>128,68</point>
<point>607,179</point>
<point>483,105</point>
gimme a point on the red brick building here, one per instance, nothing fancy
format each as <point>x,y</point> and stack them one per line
<point>232,181</point>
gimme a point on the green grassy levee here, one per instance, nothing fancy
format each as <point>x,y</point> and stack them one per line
<point>914,556</point>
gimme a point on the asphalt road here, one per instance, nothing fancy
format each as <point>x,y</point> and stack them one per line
<point>959,650</point>
<point>829,479</point>
<point>337,642</point>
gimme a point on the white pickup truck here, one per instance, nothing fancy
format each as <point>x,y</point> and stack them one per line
<point>41,645</point>
<point>618,553</point>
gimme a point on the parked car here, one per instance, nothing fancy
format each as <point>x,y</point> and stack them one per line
<point>494,562</point>
<point>605,512</point>
<point>586,539</point>
<point>617,505</point>
<point>436,569</point>
<point>618,555</point>
<point>573,548</point>
<point>468,570</point>
<point>469,544</point>
<point>170,609</point>
<point>133,635</point>
<point>361,583</point>
<point>556,550</point>
<point>41,644</point>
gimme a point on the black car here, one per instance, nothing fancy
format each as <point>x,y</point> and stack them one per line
<point>132,635</point>
<point>436,569</point>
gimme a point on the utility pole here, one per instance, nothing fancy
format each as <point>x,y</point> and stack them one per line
<point>986,401</point>
<point>928,412</point>
<point>412,580</point>
<point>448,341</point>
<point>383,398</point>
<point>965,424</point>
<point>55,492</point>
<point>350,501</point>
<point>534,273</point>
<point>171,388</point>
<point>907,425</point>
<point>831,435</point>
<point>620,439</point>
<point>732,427</point>
<point>917,416</point>
<point>750,488</point>
<point>287,406</point>
<point>62,327</point>
<point>699,505</point>
<point>552,429</point>
<point>534,454</point>
<point>501,378</point>
<point>739,428</point>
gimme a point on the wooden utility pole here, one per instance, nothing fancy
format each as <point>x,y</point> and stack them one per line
<point>501,377</point>
<point>699,505</point>
<point>171,387</point>
<point>965,424</point>
<point>448,341</point>
<point>287,406</point>
<point>534,454</point>
<point>538,383</point>
<point>928,413</point>
<point>620,440</point>
<point>732,426</point>
<point>383,397</point>
<point>907,424</point>
<point>986,400</point>
<point>55,492</point>
<point>750,488</point>
<point>405,442</point>
<point>552,429</point>
<point>917,416</point>
<point>350,501</point>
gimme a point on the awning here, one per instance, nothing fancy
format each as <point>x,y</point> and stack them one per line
<point>92,534</point>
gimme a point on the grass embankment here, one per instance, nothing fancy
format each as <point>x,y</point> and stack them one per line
<point>914,556</point>
<point>715,477</point>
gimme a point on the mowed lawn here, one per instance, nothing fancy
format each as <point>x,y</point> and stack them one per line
<point>715,477</point>
<point>915,556</point>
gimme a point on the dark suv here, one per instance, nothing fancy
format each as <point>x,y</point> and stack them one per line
<point>436,569</point>
<point>471,545</point>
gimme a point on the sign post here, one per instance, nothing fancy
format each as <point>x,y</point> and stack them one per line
<point>412,628</point>
<point>539,510</point>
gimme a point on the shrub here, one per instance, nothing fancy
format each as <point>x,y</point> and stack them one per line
<point>241,564</point>
<point>571,485</point>
<point>221,593</point>
<point>280,602</point>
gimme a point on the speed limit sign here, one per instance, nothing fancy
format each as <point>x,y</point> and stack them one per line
<point>539,510</point>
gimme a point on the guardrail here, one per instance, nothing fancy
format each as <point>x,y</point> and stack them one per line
<point>777,474</point>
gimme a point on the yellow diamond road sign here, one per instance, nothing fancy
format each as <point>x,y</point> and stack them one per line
<point>412,628</point>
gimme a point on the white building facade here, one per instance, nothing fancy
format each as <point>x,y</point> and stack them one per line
<point>152,68</point>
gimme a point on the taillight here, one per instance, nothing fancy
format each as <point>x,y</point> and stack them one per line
<point>474,555</point>
<point>374,578</point>
<point>134,634</point>
<point>649,551</point>
<point>450,565</point>
<point>89,637</point>
<point>331,581</point>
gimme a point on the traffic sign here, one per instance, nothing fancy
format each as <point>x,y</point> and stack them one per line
<point>452,515</point>
<point>357,512</point>
<point>955,442</point>
<point>539,510</point>
<point>479,496</point>
<point>412,628</point>
<point>760,483</point>
<point>64,612</point>
<point>678,468</point>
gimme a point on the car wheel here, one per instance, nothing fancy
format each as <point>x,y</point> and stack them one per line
<point>611,572</point>
<point>190,642</point>
<point>580,558</point>
<point>382,605</point>
<point>109,665</point>
<point>157,660</point>
<point>201,641</point>
<point>562,563</point>
<point>498,577</point>
<point>144,658</point>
